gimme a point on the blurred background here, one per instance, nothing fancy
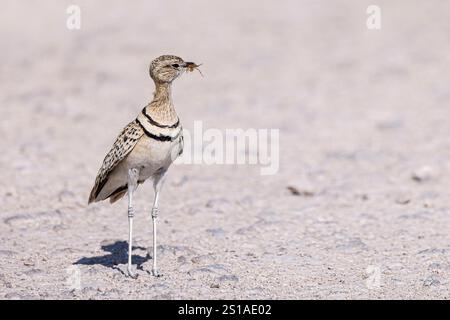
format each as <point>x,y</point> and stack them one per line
<point>364,148</point>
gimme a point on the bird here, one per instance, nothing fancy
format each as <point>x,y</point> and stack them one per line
<point>145,149</point>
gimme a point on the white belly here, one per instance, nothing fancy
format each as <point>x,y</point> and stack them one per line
<point>150,156</point>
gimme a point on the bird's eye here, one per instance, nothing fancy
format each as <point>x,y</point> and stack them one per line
<point>176,65</point>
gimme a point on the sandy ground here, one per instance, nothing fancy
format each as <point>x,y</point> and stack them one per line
<point>364,137</point>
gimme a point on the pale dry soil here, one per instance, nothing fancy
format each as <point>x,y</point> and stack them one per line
<point>364,144</point>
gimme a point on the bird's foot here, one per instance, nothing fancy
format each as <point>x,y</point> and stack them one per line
<point>131,274</point>
<point>156,274</point>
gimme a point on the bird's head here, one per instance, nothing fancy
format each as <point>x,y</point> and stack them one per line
<point>167,68</point>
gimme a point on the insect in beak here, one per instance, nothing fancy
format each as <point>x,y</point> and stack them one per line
<point>191,66</point>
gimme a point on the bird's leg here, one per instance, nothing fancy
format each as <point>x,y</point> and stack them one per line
<point>154,217</point>
<point>157,184</point>
<point>133,175</point>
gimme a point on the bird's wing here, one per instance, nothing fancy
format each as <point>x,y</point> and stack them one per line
<point>125,142</point>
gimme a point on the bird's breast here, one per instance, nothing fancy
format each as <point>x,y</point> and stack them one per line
<point>150,155</point>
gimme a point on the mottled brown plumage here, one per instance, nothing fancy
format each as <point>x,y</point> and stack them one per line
<point>145,148</point>
<point>157,119</point>
<point>123,145</point>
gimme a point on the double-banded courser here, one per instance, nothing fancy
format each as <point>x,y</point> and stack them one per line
<point>145,148</point>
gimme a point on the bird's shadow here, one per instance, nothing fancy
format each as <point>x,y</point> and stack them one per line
<point>117,255</point>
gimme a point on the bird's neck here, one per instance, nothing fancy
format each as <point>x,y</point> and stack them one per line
<point>163,92</point>
<point>161,108</point>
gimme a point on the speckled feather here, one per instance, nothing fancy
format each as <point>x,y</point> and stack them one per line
<point>123,145</point>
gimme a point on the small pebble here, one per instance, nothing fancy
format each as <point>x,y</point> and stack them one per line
<point>402,200</point>
<point>28,263</point>
<point>302,193</point>
<point>423,174</point>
